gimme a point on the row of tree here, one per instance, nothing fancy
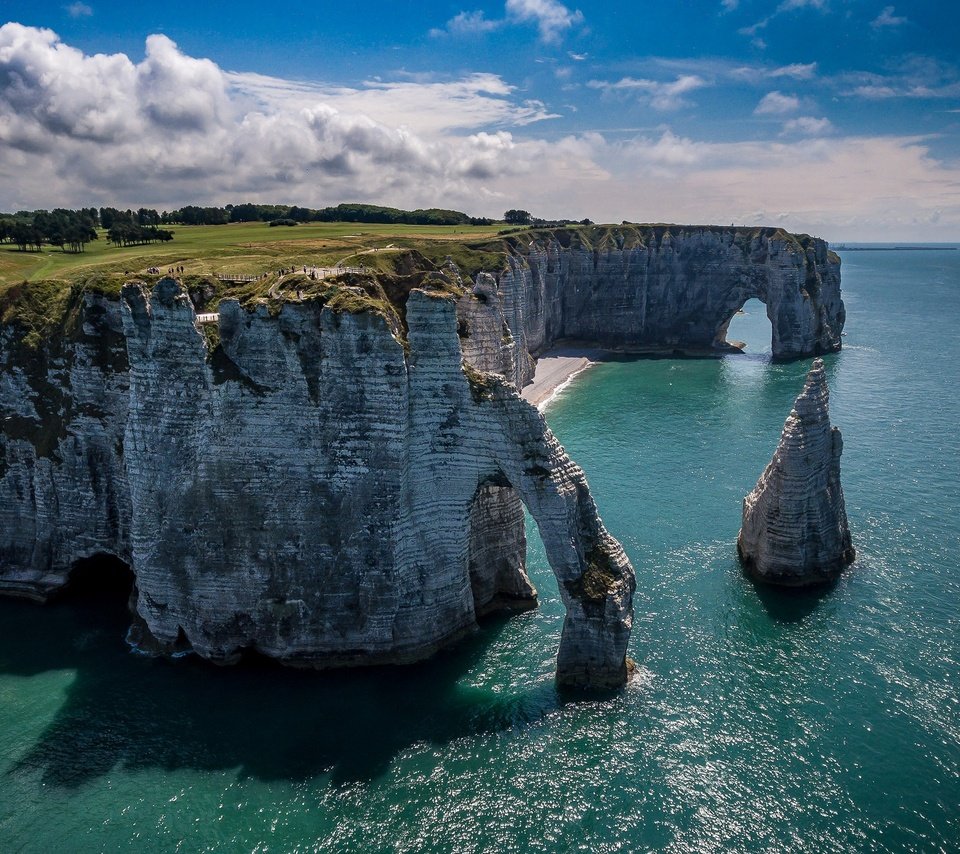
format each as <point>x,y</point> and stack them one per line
<point>250,212</point>
<point>521,217</point>
<point>67,229</point>
<point>132,234</point>
<point>108,217</point>
<point>71,230</point>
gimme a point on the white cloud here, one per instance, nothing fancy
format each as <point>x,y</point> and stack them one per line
<point>552,18</point>
<point>79,10</point>
<point>873,91</point>
<point>776,104</point>
<point>423,105</point>
<point>887,19</point>
<point>173,128</point>
<point>666,153</point>
<point>784,6</point>
<point>798,71</point>
<point>729,5</point>
<point>914,77</point>
<point>756,74</point>
<point>468,23</point>
<point>577,57</point>
<point>789,5</point>
<point>842,188</point>
<point>79,129</point>
<point>807,126</point>
<point>660,95</point>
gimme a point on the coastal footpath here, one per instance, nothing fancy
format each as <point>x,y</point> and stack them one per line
<point>338,479</point>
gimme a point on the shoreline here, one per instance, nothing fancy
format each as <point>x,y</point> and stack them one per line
<point>555,370</point>
<point>559,366</point>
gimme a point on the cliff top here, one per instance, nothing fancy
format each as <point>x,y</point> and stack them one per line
<point>384,265</point>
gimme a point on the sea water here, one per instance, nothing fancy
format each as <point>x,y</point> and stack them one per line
<point>818,722</point>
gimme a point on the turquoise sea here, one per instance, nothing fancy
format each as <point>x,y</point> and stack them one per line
<point>759,721</point>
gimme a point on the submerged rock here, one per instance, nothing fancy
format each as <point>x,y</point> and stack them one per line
<point>794,522</point>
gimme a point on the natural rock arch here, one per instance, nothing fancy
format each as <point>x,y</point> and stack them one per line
<point>666,289</point>
<point>498,546</point>
<point>509,444</point>
<point>720,340</point>
<point>351,544</point>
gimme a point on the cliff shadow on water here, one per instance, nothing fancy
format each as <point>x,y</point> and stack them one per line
<point>270,722</point>
<point>791,605</point>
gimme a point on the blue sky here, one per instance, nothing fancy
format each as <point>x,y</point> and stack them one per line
<point>838,117</point>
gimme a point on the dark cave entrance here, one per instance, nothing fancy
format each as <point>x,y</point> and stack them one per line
<point>100,576</point>
<point>749,329</point>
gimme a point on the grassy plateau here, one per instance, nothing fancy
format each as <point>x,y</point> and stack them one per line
<point>237,249</point>
<point>258,264</point>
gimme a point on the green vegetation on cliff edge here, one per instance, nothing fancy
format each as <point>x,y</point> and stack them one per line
<point>36,289</point>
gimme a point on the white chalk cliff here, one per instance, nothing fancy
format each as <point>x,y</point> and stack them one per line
<point>341,480</point>
<point>795,529</point>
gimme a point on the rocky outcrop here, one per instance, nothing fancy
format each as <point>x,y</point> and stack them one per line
<point>794,522</point>
<point>668,289</point>
<point>341,480</point>
<point>63,483</point>
<point>317,487</point>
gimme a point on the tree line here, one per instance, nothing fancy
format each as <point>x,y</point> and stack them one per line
<point>351,212</point>
<point>346,212</point>
<point>70,230</point>
<point>521,217</point>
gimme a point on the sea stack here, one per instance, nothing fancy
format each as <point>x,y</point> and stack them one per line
<point>795,530</point>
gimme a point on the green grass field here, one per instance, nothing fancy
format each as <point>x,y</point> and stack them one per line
<point>239,249</point>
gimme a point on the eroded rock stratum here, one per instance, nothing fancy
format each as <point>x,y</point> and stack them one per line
<point>340,480</point>
<point>795,531</point>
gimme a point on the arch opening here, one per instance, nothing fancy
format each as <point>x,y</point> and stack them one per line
<point>498,550</point>
<point>748,330</point>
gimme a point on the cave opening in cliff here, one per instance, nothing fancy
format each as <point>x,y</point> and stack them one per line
<point>101,576</point>
<point>750,329</point>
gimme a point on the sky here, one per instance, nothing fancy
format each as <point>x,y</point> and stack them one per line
<point>839,118</point>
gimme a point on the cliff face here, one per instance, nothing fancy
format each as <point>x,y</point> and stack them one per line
<point>794,521</point>
<point>659,289</point>
<point>309,489</point>
<point>334,482</point>
<point>63,483</point>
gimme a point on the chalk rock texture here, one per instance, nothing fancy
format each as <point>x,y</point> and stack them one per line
<point>318,487</point>
<point>668,288</point>
<point>63,483</point>
<point>344,483</point>
<point>794,522</point>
